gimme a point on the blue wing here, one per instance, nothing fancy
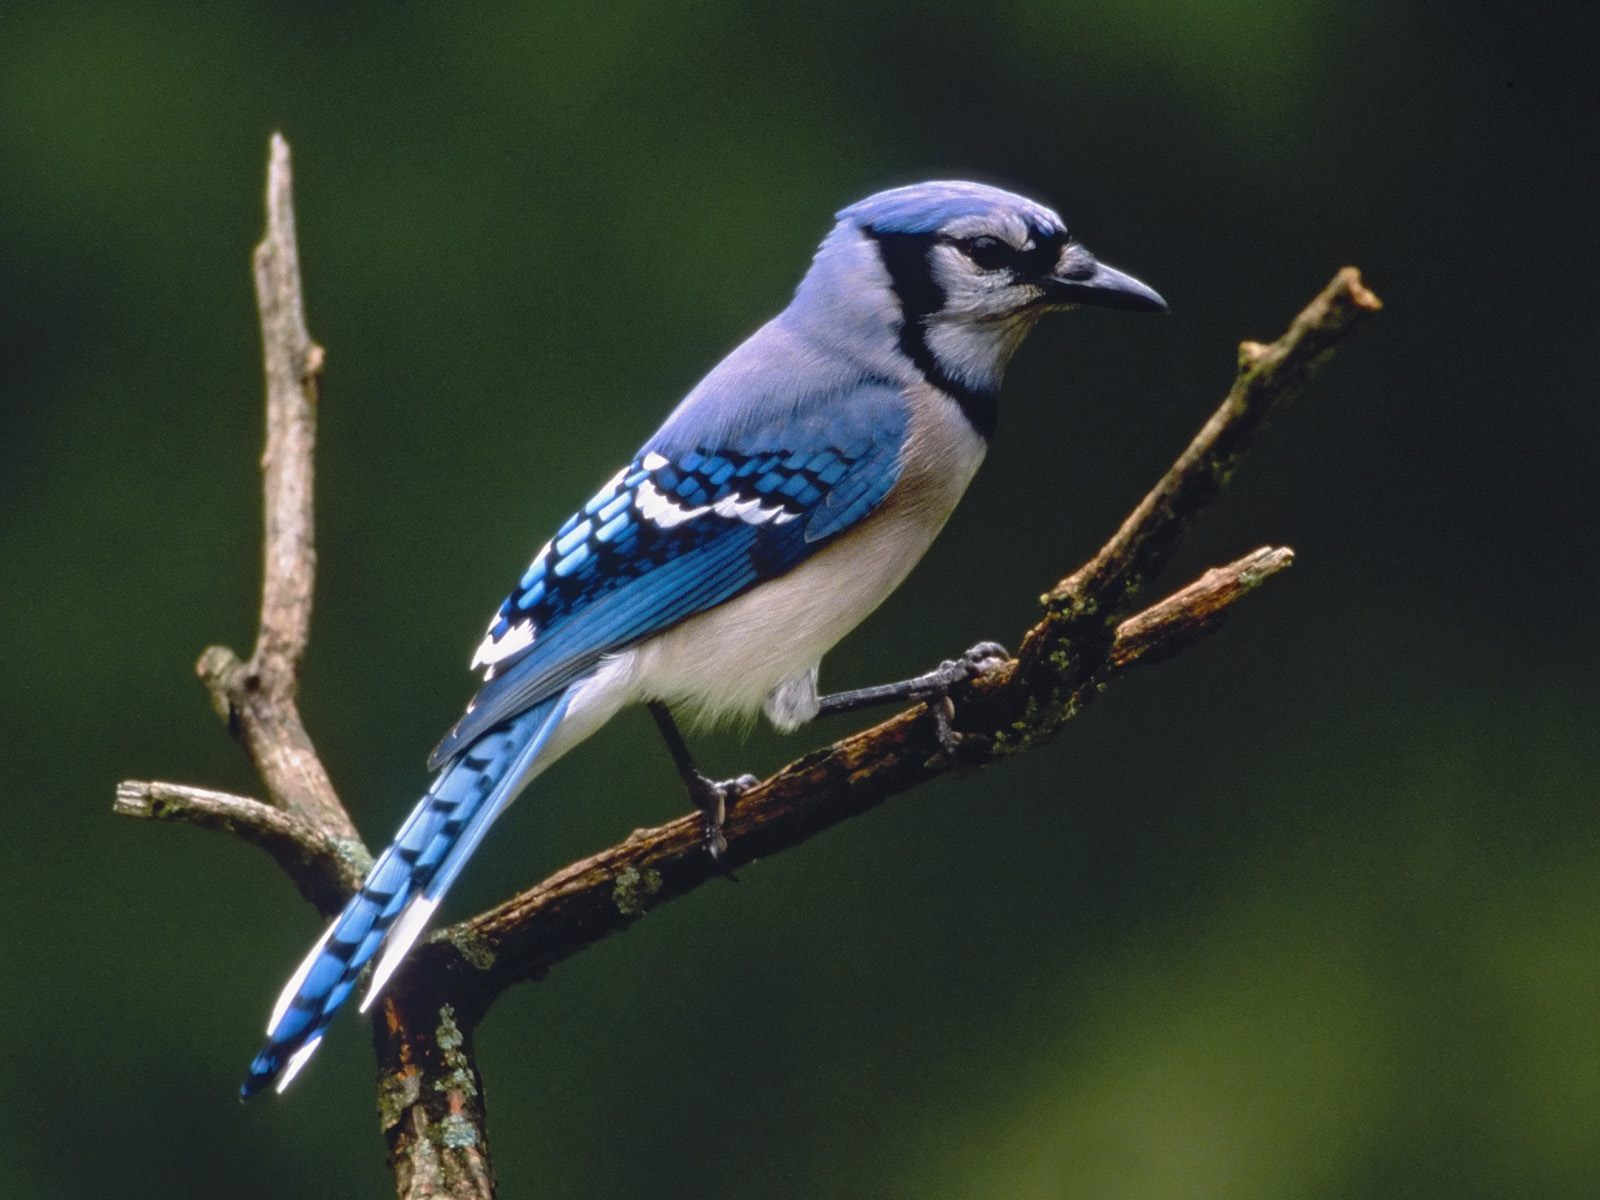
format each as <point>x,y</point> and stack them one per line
<point>707,510</point>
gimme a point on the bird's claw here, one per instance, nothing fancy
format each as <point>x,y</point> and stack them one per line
<point>977,661</point>
<point>985,657</point>
<point>942,710</point>
<point>712,797</point>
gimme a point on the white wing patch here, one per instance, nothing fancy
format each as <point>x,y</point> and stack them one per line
<point>662,510</point>
<point>752,511</point>
<point>494,649</point>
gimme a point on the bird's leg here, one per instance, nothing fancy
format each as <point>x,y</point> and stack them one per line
<point>933,687</point>
<point>976,661</point>
<point>711,797</point>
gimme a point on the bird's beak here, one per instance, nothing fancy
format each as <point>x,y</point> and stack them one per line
<point>1080,278</point>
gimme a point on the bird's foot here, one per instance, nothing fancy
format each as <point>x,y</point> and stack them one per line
<point>942,712</point>
<point>712,798</point>
<point>979,660</point>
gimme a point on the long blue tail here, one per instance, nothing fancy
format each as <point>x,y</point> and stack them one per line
<point>402,889</point>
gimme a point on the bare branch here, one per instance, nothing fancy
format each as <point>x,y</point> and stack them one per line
<point>257,699</point>
<point>276,740</point>
<point>293,364</point>
<point>1101,592</point>
<point>1065,653</point>
<point>326,871</point>
<point>1196,610</point>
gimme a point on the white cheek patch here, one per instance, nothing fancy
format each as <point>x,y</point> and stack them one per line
<point>495,649</point>
<point>665,512</point>
<point>973,297</point>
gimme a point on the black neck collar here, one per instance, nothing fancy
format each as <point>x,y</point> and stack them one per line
<point>908,259</point>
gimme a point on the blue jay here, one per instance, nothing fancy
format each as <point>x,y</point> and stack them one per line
<point>780,503</point>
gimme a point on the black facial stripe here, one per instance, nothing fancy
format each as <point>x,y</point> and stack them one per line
<point>908,257</point>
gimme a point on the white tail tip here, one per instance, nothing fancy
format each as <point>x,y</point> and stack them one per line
<point>401,938</point>
<point>295,980</point>
<point>297,1060</point>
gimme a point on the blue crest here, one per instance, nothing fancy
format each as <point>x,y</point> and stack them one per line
<point>926,207</point>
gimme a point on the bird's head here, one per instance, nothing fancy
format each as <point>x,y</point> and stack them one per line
<point>961,272</point>
<point>964,252</point>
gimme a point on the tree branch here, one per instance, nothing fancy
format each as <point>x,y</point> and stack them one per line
<point>326,870</point>
<point>430,1092</point>
<point>257,698</point>
<point>305,828</point>
<point>1083,609</point>
<point>1194,611</point>
<point>293,364</point>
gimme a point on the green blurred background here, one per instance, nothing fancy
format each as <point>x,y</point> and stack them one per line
<point>1308,912</point>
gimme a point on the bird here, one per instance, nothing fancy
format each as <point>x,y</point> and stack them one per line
<point>780,502</point>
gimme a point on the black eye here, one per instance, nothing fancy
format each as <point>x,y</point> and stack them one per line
<point>988,253</point>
